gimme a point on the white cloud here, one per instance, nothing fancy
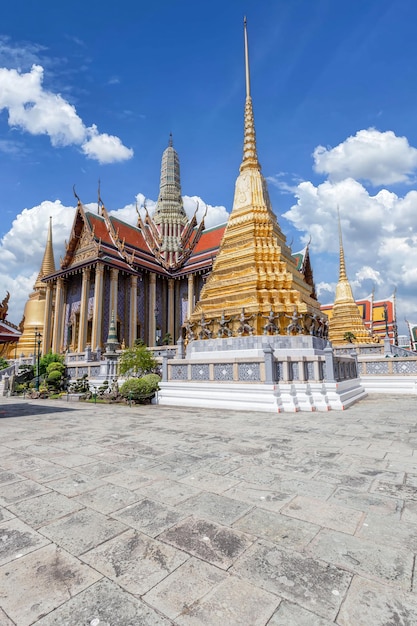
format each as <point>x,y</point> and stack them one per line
<point>105,148</point>
<point>379,231</point>
<point>381,158</point>
<point>37,111</point>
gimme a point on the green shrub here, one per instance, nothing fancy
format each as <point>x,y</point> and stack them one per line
<point>136,389</point>
<point>3,363</point>
<point>152,380</point>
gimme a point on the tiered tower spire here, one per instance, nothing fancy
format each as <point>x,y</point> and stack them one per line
<point>48,261</point>
<point>169,216</point>
<point>254,273</point>
<point>346,317</point>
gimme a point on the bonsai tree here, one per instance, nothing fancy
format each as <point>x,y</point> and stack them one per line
<point>349,337</point>
<point>140,389</point>
<point>137,361</point>
<point>47,359</point>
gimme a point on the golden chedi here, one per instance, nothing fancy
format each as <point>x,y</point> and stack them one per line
<point>254,277</point>
<point>34,312</point>
<point>346,321</point>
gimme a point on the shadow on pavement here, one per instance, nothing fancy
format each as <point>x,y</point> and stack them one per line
<point>23,409</point>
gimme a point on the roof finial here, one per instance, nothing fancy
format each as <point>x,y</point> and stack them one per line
<point>342,268</point>
<point>99,200</point>
<point>170,143</point>
<point>75,194</point>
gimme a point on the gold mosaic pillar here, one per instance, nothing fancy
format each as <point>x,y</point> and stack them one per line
<point>58,316</point>
<point>190,294</point>
<point>133,310</point>
<point>171,309</point>
<point>98,308</point>
<point>85,289</point>
<point>151,310</point>
<point>114,275</point>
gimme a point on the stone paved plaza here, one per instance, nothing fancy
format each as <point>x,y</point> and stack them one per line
<point>118,516</point>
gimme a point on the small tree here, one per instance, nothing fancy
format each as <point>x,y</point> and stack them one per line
<point>349,337</point>
<point>3,363</point>
<point>137,361</point>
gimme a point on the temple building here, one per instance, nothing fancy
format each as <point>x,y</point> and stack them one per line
<point>346,317</point>
<point>148,275</point>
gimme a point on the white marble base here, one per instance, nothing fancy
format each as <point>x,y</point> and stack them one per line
<point>278,398</point>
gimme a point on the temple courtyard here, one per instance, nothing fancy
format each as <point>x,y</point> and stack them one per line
<point>149,515</point>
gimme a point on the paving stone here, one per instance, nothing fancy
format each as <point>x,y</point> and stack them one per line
<point>104,604</point>
<point>5,514</point>
<point>289,614</point>
<point>312,488</point>
<point>75,484</point>
<point>169,470</point>
<point>40,510</point>
<point>9,477</point>
<point>409,512</point>
<point>80,531</point>
<point>211,542</point>
<point>207,481</point>
<point>226,466</point>
<point>108,498</point>
<point>251,474</point>
<point>135,561</point>
<point>354,481</point>
<point>280,529</point>
<point>17,539</point>
<point>130,479</point>
<point>306,581</point>
<point>4,620</point>
<point>47,472</point>
<point>168,491</point>
<point>369,602</point>
<point>215,507</point>
<point>69,460</point>
<point>98,469</point>
<point>265,498</point>
<point>328,515</point>
<point>364,557</point>
<point>366,502</point>
<point>14,492</point>
<point>233,601</point>
<point>149,516</point>
<point>380,530</point>
<point>43,579</point>
<point>184,587</point>
<point>407,492</point>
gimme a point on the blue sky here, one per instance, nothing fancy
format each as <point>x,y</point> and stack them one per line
<point>91,90</point>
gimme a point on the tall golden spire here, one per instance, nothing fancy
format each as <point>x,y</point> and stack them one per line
<point>342,265</point>
<point>250,157</point>
<point>48,261</point>
<point>254,272</point>
<point>346,317</point>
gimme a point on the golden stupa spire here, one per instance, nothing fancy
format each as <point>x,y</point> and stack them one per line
<point>342,265</point>
<point>48,261</point>
<point>250,157</point>
<point>346,317</point>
